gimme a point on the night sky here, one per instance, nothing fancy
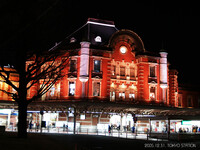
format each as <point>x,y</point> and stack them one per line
<point>170,25</point>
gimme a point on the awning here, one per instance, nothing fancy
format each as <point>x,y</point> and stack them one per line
<point>108,107</point>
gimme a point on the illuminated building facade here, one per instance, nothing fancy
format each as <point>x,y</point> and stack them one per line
<point>108,66</point>
<point>113,65</point>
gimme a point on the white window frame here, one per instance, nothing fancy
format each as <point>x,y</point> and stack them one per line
<point>100,64</point>
<point>74,88</point>
<point>131,95</point>
<point>75,64</point>
<point>122,95</point>
<point>155,92</point>
<point>124,70</point>
<point>93,88</point>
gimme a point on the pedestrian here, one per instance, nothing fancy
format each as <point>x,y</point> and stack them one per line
<point>30,125</point>
<point>199,129</point>
<point>112,127</point>
<point>63,127</point>
<point>133,129</point>
<point>109,129</point>
<point>37,126</point>
<point>67,128</point>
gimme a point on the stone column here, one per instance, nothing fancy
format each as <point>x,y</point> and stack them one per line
<point>84,65</point>
<point>163,75</point>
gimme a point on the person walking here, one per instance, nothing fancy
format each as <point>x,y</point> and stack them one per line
<point>109,129</point>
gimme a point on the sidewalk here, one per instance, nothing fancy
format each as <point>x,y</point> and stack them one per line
<point>52,141</point>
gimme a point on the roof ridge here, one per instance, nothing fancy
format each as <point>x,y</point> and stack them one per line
<point>101,22</point>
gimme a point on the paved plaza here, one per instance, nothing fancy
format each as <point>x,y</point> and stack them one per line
<point>88,141</point>
<point>55,141</point>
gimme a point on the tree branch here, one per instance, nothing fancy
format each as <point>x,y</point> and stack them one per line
<point>6,77</point>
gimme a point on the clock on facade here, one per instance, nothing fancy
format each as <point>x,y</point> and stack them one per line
<point>123,49</point>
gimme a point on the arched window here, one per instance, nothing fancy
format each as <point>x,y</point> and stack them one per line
<point>97,39</point>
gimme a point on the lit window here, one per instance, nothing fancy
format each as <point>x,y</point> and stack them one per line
<point>123,49</point>
<point>112,96</point>
<point>132,96</point>
<point>113,68</point>
<point>72,40</point>
<point>52,91</point>
<point>152,93</point>
<point>71,88</point>
<point>98,39</point>
<point>96,89</point>
<point>97,65</point>
<point>122,95</point>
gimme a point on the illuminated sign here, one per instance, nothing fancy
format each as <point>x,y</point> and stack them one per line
<point>191,122</point>
<point>186,122</point>
<point>5,111</point>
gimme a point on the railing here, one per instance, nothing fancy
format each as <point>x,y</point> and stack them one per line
<point>155,136</point>
<point>131,78</point>
<point>89,131</point>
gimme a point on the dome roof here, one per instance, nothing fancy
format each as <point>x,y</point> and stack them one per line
<point>129,37</point>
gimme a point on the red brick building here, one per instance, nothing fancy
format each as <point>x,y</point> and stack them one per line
<point>113,65</point>
<point>111,71</point>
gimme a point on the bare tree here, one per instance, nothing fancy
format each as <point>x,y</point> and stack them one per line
<point>30,69</point>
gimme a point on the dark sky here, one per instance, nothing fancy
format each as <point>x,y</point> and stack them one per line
<point>172,25</point>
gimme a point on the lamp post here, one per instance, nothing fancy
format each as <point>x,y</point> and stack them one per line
<point>41,113</point>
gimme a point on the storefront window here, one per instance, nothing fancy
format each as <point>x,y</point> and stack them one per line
<point>159,126</point>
